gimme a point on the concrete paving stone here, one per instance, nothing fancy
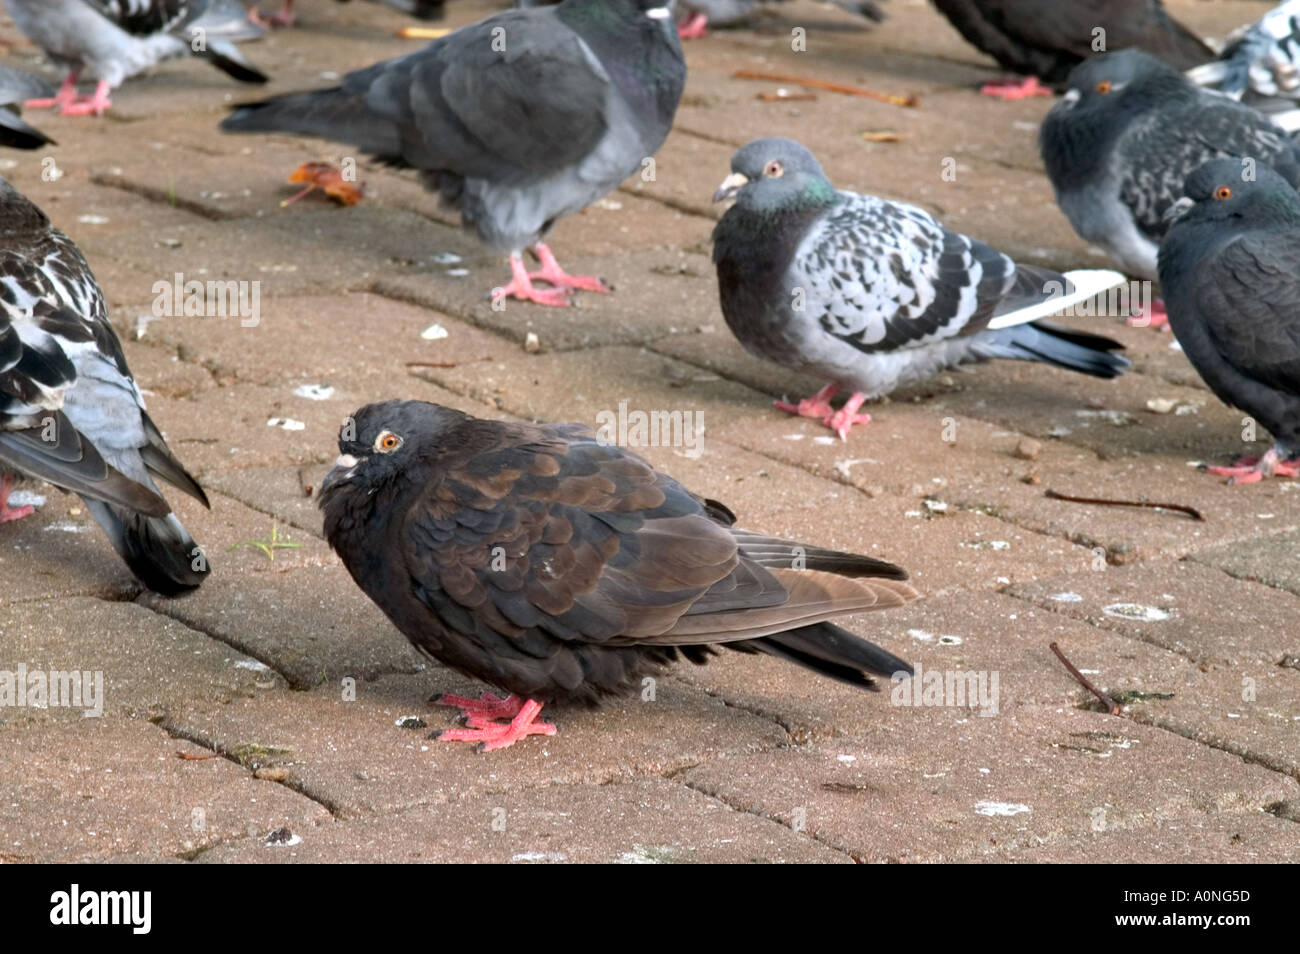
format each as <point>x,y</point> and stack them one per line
<point>360,757</point>
<point>644,821</point>
<point>312,625</point>
<point>1186,607</point>
<point>1272,560</point>
<point>148,664</point>
<point>112,787</point>
<point>1218,840</point>
<point>969,631</point>
<point>940,785</point>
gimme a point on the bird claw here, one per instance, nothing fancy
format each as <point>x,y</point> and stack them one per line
<point>1154,316</point>
<point>1252,470</point>
<point>1022,89</point>
<point>694,27</point>
<point>8,515</point>
<point>491,735</point>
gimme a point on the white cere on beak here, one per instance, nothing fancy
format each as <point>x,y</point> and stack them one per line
<point>345,462</point>
<point>1070,98</point>
<point>659,13</point>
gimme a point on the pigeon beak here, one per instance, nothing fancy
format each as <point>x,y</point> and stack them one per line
<point>659,13</point>
<point>344,466</point>
<point>1178,209</point>
<point>1069,99</point>
<point>730,186</point>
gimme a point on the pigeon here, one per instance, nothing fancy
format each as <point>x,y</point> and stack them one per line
<point>1230,269</point>
<point>70,412</point>
<point>517,120</point>
<point>551,563</point>
<point>1122,141</point>
<point>16,87</point>
<point>1260,63</point>
<point>420,9</point>
<point>116,39</point>
<point>1047,38</point>
<point>701,13</point>
<point>875,294</point>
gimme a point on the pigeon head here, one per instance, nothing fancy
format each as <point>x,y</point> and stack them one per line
<point>1239,189</point>
<point>378,442</point>
<point>773,175</point>
<point>1127,77</point>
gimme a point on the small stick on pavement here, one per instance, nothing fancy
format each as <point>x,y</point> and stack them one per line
<point>826,85</point>
<point>1180,508</point>
<point>302,482</point>
<point>198,758</point>
<point>1105,699</point>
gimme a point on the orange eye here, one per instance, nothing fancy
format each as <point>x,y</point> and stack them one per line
<point>387,442</point>
<point>1103,87</point>
<point>1223,192</point>
<point>774,169</point>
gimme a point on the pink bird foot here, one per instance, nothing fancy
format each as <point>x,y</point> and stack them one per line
<point>694,27</point>
<point>486,706</point>
<point>284,18</point>
<point>819,407</point>
<point>1251,470</point>
<point>491,735</point>
<point>552,272</point>
<point>1008,91</point>
<point>67,94</point>
<point>93,105</point>
<point>521,287</point>
<point>1154,316</point>
<point>6,513</point>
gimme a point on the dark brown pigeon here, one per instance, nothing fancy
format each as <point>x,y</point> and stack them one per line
<point>546,562</point>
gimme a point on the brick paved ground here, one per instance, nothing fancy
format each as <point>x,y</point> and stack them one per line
<point>1191,624</point>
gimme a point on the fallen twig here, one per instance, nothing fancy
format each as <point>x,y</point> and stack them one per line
<point>302,482</point>
<point>198,758</point>
<point>446,364</point>
<point>1180,508</point>
<point>1106,700</point>
<point>908,101</point>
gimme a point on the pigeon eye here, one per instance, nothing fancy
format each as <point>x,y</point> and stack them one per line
<point>1223,192</point>
<point>387,442</point>
<point>1103,87</point>
<point>774,169</point>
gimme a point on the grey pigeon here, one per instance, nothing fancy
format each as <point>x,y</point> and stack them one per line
<point>1230,269</point>
<point>16,87</point>
<point>70,412</point>
<point>116,39</point>
<point>1045,39</point>
<point>560,567</point>
<point>873,294</point>
<point>700,14</point>
<point>517,120</point>
<point>1121,143</point>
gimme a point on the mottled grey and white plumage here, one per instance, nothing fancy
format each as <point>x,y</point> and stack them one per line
<point>1230,270</point>
<point>116,39</point>
<point>16,87</point>
<point>728,12</point>
<point>1121,143</point>
<point>517,120</point>
<point>70,412</point>
<point>872,294</point>
<point>1260,63</point>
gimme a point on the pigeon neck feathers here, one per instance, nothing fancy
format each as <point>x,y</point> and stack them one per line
<point>19,218</point>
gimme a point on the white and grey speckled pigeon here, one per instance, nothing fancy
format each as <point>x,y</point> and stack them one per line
<point>701,13</point>
<point>70,412</point>
<point>1121,143</point>
<point>116,39</point>
<point>874,294</point>
<point>1230,269</point>
<point>1260,64</point>
<point>517,120</point>
<point>420,9</point>
<point>16,87</point>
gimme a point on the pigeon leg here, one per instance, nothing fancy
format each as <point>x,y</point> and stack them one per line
<point>551,272</point>
<point>694,27</point>
<point>1251,470</point>
<point>1016,90</point>
<point>67,94</point>
<point>17,513</point>
<point>521,287</point>
<point>486,706</point>
<point>818,406</point>
<point>285,18</point>
<point>842,421</point>
<point>92,105</point>
<point>491,736</point>
<point>1153,317</point>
